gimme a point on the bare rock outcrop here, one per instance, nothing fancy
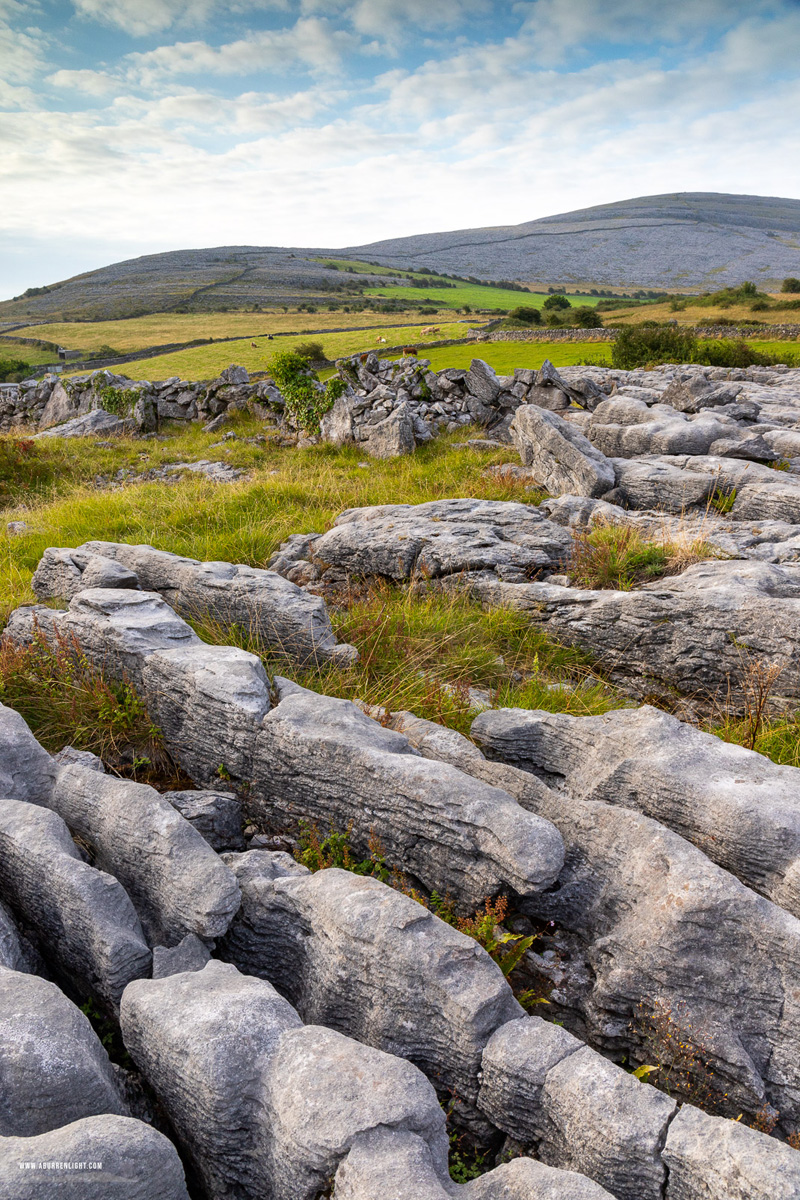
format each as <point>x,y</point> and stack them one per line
<point>53,1069</point>
<point>355,955</point>
<point>266,1107</point>
<point>560,458</point>
<point>27,771</point>
<point>176,881</point>
<point>83,922</point>
<point>321,759</point>
<point>125,1158</point>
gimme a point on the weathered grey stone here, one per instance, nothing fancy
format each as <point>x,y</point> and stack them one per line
<point>190,954</point>
<point>337,426</point>
<point>321,759</point>
<point>664,433</point>
<point>581,1112</point>
<point>355,955</point>
<point>654,920</point>
<point>740,808</point>
<point>724,1160</point>
<point>216,815</point>
<point>646,483</point>
<point>387,1163</point>
<point>393,436</point>
<point>116,1157</point>
<point>176,881</point>
<point>276,613</point>
<point>12,952</point>
<point>62,573</point>
<point>694,632</point>
<point>83,758</point>
<point>61,405</point>
<point>562,458</point>
<point>53,1069</point>
<point>482,382</point>
<point>265,1107</point>
<point>26,770</point>
<point>84,924</point>
<point>89,424</point>
<point>442,537</point>
<point>209,701</point>
<point>116,629</point>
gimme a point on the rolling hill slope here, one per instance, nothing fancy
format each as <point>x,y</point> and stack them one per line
<point>687,241</point>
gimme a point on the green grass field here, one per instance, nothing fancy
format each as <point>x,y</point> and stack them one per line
<point>26,354</point>
<point>475,295</point>
<point>206,362</point>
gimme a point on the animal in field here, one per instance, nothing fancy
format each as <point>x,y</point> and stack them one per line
<point>430,330</point>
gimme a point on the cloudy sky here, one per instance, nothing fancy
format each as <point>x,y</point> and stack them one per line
<point>132,126</point>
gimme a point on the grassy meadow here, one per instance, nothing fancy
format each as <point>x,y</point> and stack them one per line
<point>476,296</point>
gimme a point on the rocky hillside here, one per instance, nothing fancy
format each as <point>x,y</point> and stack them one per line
<point>687,241</point>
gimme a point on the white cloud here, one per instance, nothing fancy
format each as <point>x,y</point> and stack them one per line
<point>93,83</point>
<point>311,43</point>
<point>154,16</point>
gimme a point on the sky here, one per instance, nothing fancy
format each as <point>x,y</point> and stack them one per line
<point>130,127</point>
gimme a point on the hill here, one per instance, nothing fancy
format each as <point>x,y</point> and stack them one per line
<point>684,242</point>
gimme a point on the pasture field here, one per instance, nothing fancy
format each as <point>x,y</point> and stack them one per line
<point>475,295</point>
<point>698,314</point>
<point>206,362</point>
<point>28,354</point>
<point>158,329</point>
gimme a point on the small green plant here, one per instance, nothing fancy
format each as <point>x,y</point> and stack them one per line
<point>118,401</point>
<point>334,850</point>
<point>617,556</point>
<point>486,927</point>
<point>306,401</point>
<point>109,1034</point>
<point>465,1162</point>
<point>13,369</point>
<point>791,284</point>
<point>722,501</point>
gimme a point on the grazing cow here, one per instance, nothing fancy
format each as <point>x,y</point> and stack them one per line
<point>431,329</point>
<point>381,339</point>
<point>253,346</point>
<point>410,350</point>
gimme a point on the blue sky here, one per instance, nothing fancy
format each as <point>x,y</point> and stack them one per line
<point>132,126</point>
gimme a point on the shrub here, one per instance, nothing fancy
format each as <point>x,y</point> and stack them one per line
<point>586,317</point>
<point>528,316</point>
<point>555,302</point>
<point>791,284</point>
<point>313,351</point>
<point>636,346</point>
<point>13,369</point>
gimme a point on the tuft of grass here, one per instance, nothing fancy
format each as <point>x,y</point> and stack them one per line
<point>617,556</point>
<point>67,701</point>
<point>428,654</point>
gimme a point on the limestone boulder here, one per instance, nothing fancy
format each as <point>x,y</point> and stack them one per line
<point>128,1161</point>
<point>62,573</point>
<point>53,1069</point>
<point>209,702</point>
<point>391,437</point>
<point>278,615</point>
<point>83,923</point>
<point>561,458</point>
<point>440,538</point>
<point>27,771</point>
<point>400,1165</point>
<point>254,1095</point>
<point>725,1160</point>
<point>322,760</point>
<point>355,955</point>
<point>216,815</point>
<point>175,880</point>
<point>740,808</point>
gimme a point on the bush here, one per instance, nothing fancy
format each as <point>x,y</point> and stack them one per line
<point>306,401</point>
<point>586,317</point>
<point>13,369</point>
<point>528,316</point>
<point>791,284</point>
<point>555,302</point>
<point>313,351</point>
<point>636,346</point>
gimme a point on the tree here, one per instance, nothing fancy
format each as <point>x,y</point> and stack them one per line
<point>791,284</point>
<point>555,301</point>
